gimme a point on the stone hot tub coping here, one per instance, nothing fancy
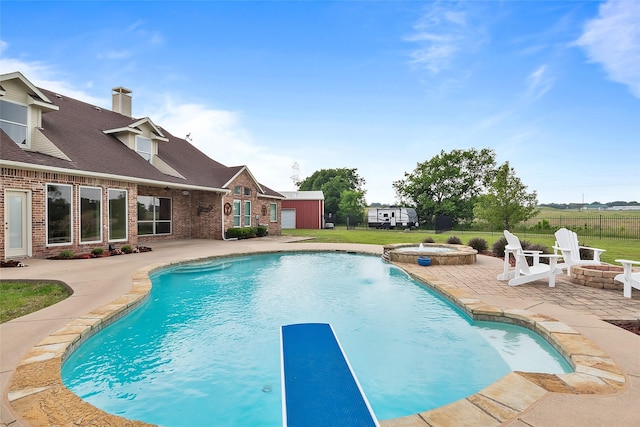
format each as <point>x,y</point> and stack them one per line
<point>455,254</point>
<point>36,391</point>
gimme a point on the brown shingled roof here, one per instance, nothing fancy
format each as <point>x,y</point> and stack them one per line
<point>77,129</point>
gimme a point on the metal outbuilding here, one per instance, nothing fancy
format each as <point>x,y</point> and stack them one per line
<point>302,209</point>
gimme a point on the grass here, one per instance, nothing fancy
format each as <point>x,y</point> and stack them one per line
<point>615,249</point>
<point>20,298</point>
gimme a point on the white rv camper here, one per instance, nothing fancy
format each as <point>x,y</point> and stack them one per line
<point>392,217</point>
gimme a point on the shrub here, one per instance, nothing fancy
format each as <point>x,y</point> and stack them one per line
<point>241,233</point>
<point>498,247</point>
<point>479,244</point>
<point>66,254</point>
<point>428,240</point>
<point>584,252</point>
<point>454,240</point>
<point>126,249</point>
<point>536,247</point>
<point>261,231</point>
<point>97,251</point>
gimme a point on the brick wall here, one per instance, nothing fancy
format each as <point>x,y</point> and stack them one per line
<point>195,214</point>
<point>257,203</point>
<point>35,182</point>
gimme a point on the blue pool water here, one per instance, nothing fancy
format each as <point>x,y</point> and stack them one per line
<point>204,349</point>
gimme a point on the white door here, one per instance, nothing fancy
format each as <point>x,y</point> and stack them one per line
<point>393,219</point>
<point>288,217</point>
<point>16,224</point>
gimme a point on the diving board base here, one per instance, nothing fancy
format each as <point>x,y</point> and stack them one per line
<point>319,387</point>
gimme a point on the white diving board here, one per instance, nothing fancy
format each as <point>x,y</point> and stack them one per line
<point>319,387</point>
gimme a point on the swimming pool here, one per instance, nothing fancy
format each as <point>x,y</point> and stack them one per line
<point>205,345</point>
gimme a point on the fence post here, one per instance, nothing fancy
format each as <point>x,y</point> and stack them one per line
<point>600,226</point>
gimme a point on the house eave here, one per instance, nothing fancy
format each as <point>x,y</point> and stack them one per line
<point>174,185</point>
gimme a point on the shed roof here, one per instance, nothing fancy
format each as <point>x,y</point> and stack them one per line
<point>302,195</point>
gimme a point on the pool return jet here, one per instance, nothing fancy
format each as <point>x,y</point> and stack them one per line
<point>319,388</point>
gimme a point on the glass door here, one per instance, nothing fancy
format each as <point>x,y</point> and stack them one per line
<point>16,223</point>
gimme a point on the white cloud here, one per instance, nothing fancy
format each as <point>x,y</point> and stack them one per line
<point>613,40</point>
<point>220,135</point>
<point>43,75</point>
<point>442,35</point>
<point>538,83</point>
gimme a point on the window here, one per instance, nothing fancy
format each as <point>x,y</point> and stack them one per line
<point>273,213</point>
<point>90,214</point>
<point>59,204</point>
<point>144,147</point>
<point>118,215</point>
<point>13,121</point>
<point>237,190</point>
<point>154,215</point>
<point>247,191</point>
<point>247,213</point>
<point>236,213</point>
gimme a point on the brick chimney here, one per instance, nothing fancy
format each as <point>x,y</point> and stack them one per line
<point>121,97</point>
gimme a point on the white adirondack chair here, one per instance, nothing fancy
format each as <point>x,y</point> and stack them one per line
<point>514,247</point>
<point>567,244</point>
<point>523,272</point>
<point>629,279</point>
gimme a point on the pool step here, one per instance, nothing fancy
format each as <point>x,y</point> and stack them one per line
<point>319,387</point>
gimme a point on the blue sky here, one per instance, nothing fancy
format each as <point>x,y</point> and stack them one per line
<point>552,87</point>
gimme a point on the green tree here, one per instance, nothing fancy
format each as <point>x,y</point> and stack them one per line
<point>332,182</point>
<point>352,205</point>
<point>447,184</point>
<point>507,201</point>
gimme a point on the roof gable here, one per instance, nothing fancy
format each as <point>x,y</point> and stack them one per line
<point>34,95</point>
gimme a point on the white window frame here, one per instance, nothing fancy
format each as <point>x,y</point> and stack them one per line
<point>71,208</point>
<point>126,213</point>
<point>144,154</point>
<point>237,213</point>
<point>247,214</point>
<point>27,140</point>
<point>273,212</point>
<point>99,214</point>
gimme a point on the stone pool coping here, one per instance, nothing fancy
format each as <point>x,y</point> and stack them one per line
<point>36,391</point>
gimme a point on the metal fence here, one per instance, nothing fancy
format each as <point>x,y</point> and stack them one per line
<point>597,226</point>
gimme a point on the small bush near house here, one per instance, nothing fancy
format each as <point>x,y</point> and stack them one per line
<point>479,244</point>
<point>241,233</point>
<point>126,249</point>
<point>66,254</point>
<point>261,231</point>
<point>428,240</point>
<point>97,251</point>
<point>454,240</point>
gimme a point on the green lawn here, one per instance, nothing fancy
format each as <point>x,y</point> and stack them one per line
<point>615,249</point>
<point>20,298</point>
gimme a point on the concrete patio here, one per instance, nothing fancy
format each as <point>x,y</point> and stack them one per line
<point>98,282</point>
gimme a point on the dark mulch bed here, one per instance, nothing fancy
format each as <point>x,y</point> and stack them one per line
<point>632,326</point>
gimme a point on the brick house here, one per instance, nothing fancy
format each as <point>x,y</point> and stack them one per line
<point>75,176</point>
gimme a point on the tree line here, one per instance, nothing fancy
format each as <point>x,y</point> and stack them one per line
<point>465,185</point>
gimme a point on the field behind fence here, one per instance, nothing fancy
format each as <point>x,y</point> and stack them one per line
<point>623,225</point>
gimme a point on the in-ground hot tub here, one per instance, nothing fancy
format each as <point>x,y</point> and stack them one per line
<point>440,253</point>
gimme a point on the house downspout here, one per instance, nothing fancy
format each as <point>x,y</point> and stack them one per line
<point>224,237</point>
